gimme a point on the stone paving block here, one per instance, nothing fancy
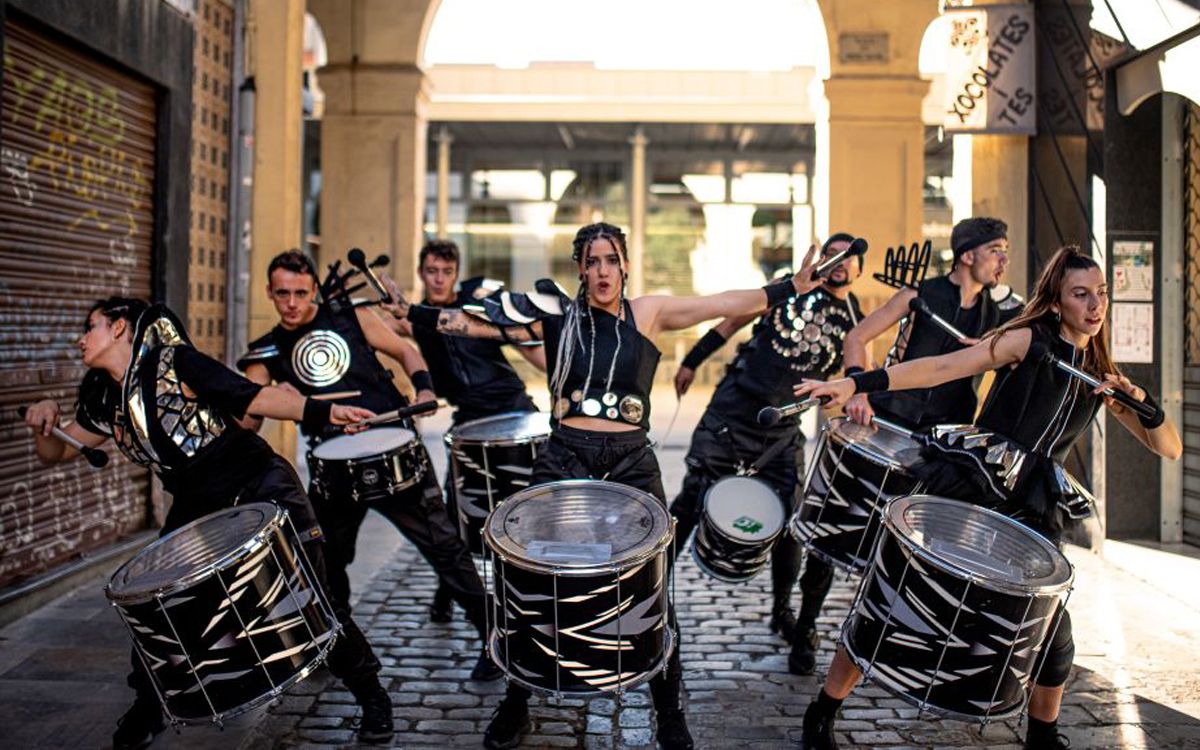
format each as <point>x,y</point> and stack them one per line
<point>445,726</point>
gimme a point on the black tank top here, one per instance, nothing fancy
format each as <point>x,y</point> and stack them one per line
<point>948,403</point>
<point>627,398</point>
<point>1037,405</point>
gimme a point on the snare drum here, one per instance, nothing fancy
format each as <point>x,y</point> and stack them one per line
<point>373,464</point>
<point>742,518</point>
<point>490,459</point>
<point>855,472</point>
<point>225,613</point>
<point>956,608</point>
<point>580,601</point>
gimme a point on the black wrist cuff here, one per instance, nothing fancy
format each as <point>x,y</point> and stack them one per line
<point>708,343</point>
<point>424,315</point>
<point>779,291</point>
<point>1159,417</point>
<point>421,380</point>
<point>316,415</point>
<point>853,370</point>
<point>871,381</point>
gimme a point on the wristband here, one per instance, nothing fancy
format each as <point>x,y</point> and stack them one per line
<point>1159,417</point>
<point>316,415</point>
<point>779,291</point>
<point>853,370</point>
<point>708,343</point>
<point>424,315</point>
<point>421,380</point>
<point>871,381</point>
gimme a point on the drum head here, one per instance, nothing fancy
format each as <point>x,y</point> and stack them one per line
<point>363,444</point>
<point>514,427</point>
<point>981,544</point>
<point>879,445</point>
<point>744,509</point>
<point>578,525</point>
<point>192,552</point>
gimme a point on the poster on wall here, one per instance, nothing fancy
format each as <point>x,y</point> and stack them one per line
<point>990,70</point>
<point>1133,332</point>
<point>1133,271</point>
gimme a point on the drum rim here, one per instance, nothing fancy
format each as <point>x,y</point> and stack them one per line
<point>669,645</point>
<point>454,439</point>
<point>414,439</point>
<point>888,462</point>
<point>1003,587</point>
<point>275,517</point>
<point>490,543</point>
<point>712,573</point>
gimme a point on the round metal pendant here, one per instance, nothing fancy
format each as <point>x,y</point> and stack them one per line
<point>632,409</point>
<point>577,395</point>
<point>807,315</point>
<point>811,332</point>
<point>321,358</point>
<point>609,399</point>
<point>591,407</point>
<point>611,412</point>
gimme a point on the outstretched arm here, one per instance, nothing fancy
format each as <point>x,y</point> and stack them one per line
<point>43,418</point>
<point>455,322</point>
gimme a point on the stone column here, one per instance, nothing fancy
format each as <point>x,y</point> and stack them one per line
<point>637,214</point>
<point>444,139</point>
<point>1000,188</point>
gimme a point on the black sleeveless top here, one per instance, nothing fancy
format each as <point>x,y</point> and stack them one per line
<point>627,398</point>
<point>328,354</point>
<point>949,403</point>
<point>1038,406</point>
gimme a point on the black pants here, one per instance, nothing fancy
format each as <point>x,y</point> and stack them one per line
<point>725,442</point>
<point>351,659</point>
<point>624,457</point>
<point>418,513</point>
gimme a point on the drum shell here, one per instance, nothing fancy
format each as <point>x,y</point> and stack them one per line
<point>484,475</point>
<point>371,478</point>
<point>725,558</point>
<point>989,661</point>
<point>844,534</point>
<point>269,587</point>
<point>531,606</point>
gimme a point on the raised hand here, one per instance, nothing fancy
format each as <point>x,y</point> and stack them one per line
<point>399,305</point>
<point>803,279</point>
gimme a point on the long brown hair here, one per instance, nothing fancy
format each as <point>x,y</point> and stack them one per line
<point>1039,309</point>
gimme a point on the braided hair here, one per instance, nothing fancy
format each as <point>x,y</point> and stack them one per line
<point>98,394</point>
<point>572,333</point>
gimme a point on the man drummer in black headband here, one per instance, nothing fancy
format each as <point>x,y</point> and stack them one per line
<point>961,297</point>
<point>174,410</point>
<point>472,374</point>
<point>788,343</point>
<point>320,350</point>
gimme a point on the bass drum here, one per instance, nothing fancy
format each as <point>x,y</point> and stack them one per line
<point>956,608</point>
<point>580,587</point>
<point>225,613</point>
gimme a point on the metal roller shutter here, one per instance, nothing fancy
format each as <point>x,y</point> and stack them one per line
<point>77,139</point>
<point>1191,369</point>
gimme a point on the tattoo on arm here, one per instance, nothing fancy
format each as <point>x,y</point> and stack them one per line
<point>458,323</point>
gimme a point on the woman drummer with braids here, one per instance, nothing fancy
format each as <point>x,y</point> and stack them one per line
<point>602,359</point>
<point>1011,458</point>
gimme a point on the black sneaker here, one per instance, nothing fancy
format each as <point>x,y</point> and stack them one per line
<point>818,730</point>
<point>673,732</point>
<point>441,609</point>
<point>485,669</point>
<point>376,724</point>
<point>509,722</point>
<point>783,621</point>
<point>137,728</point>
<point>803,658</point>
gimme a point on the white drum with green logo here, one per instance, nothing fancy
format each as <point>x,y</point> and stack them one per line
<point>742,519</point>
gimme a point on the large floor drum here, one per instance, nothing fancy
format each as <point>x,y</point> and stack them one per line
<point>490,459</point>
<point>956,608</point>
<point>580,583</point>
<point>856,471</point>
<point>742,519</point>
<point>224,612</point>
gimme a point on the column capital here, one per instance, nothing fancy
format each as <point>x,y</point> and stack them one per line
<point>875,98</point>
<point>374,89</point>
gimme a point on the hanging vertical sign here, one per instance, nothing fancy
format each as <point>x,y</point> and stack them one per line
<point>990,69</point>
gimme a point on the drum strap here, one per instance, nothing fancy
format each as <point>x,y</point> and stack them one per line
<point>769,454</point>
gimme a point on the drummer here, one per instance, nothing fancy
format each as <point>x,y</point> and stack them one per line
<point>472,374</point>
<point>603,360</point>
<point>141,365</point>
<point>1034,408</point>
<point>729,439</point>
<point>961,297</point>
<point>416,511</point>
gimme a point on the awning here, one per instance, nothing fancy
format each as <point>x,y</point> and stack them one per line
<point>1169,66</point>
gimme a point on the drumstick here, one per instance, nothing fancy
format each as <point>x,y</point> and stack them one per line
<point>891,427</point>
<point>335,395</point>
<point>916,304</point>
<point>1039,351</point>
<point>94,456</point>
<point>403,413</point>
